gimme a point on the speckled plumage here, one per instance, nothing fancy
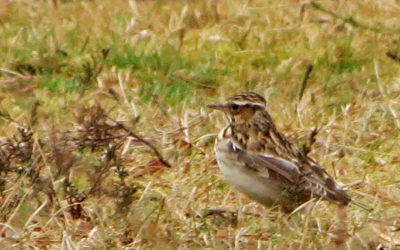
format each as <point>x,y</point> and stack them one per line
<point>262,163</point>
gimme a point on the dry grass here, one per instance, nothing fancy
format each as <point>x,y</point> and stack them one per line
<point>84,85</point>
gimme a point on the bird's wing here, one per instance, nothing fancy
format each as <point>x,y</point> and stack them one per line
<point>261,163</point>
<point>315,181</point>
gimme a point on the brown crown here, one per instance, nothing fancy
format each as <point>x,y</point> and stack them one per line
<point>247,97</point>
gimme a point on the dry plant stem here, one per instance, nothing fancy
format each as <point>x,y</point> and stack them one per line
<point>34,214</point>
<point>53,197</point>
<point>23,77</point>
<point>151,146</point>
<point>388,238</point>
<point>105,166</point>
<point>307,224</point>
<point>305,80</point>
<point>302,89</point>
<point>143,222</point>
<point>60,211</point>
<point>15,212</point>
<point>162,205</point>
<point>216,211</point>
<point>349,20</point>
<point>34,117</point>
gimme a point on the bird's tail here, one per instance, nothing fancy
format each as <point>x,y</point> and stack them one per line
<point>362,205</point>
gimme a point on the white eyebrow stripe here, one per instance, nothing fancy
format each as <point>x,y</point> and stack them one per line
<point>243,103</point>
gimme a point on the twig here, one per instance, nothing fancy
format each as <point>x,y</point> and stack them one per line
<point>14,73</point>
<point>34,117</point>
<point>105,166</point>
<point>349,20</point>
<point>209,212</point>
<point>305,80</point>
<point>147,143</point>
<point>393,241</point>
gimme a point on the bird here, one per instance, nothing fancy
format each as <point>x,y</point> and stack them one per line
<point>264,164</point>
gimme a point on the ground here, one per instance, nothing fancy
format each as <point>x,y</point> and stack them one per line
<point>106,141</point>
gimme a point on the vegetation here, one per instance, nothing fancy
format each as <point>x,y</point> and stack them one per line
<point>105,140</point>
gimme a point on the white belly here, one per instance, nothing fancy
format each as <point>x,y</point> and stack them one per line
<point>259,188</point>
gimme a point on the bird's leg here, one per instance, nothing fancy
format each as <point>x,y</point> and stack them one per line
<point>340,235</point>
<point>342,216</point>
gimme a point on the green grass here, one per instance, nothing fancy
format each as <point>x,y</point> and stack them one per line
<point>71,177</point>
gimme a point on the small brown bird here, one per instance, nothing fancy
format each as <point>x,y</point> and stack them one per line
<point>262,163</point>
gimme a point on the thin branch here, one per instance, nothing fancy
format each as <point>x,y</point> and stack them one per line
<point>305,80</point>
<point>147,143</point>
<point>349,20</point>
<point>105,166</point>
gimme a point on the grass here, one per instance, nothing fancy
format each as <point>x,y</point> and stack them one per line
<point>83,83</point>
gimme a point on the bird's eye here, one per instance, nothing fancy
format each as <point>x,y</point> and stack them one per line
<point>234,106</point>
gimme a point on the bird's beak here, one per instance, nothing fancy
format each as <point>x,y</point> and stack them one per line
<point>222,107</point>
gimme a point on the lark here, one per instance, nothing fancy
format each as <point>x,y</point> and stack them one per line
<point>263,164</point>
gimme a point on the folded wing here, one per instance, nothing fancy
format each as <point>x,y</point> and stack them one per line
<point>312,181</point>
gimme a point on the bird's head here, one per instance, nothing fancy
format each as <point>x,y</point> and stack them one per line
<point>240,108</point>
